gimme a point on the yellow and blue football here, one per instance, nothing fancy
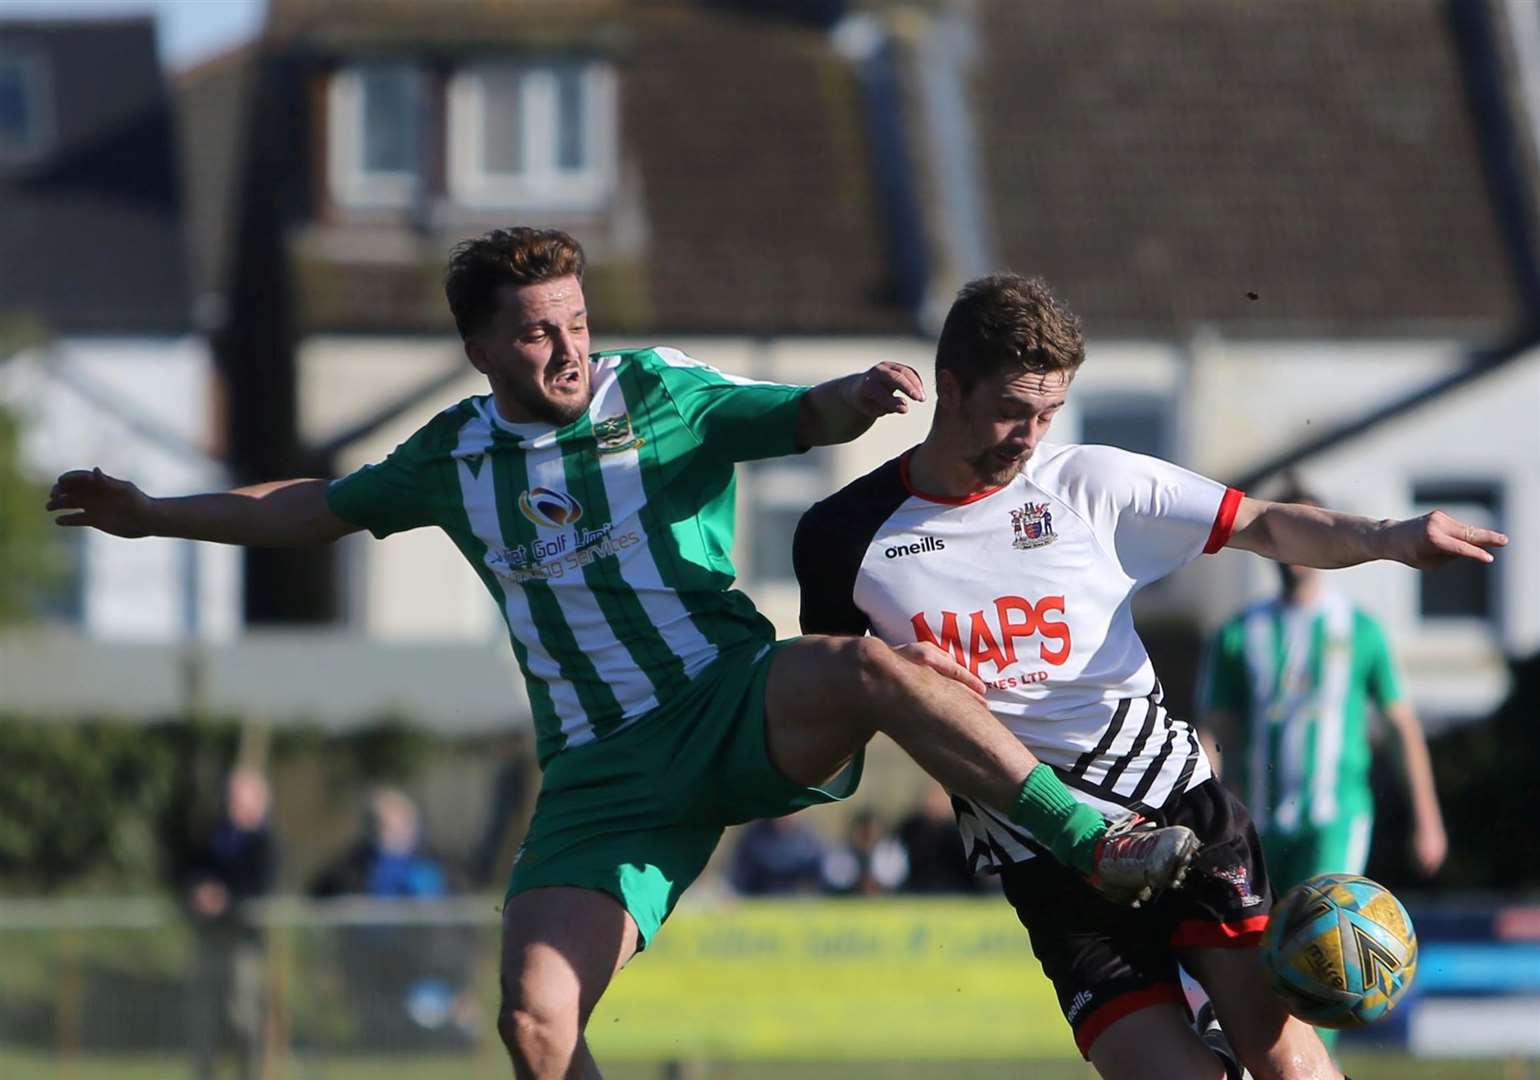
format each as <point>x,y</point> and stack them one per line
<point>1339,950</point>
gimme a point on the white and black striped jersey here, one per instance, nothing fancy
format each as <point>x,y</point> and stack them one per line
<point>1030,585</point>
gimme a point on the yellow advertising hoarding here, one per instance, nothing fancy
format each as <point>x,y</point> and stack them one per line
<point>872,979</point>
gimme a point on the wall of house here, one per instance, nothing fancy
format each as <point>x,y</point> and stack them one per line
<point>142,409</point>
<point>1484,434</point>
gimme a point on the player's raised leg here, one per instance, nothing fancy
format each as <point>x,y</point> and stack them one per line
<point>1271,1043</point>
<point>561,947</point>
<point>826,696</point>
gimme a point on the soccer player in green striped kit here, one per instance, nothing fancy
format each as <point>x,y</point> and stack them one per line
<point>593,495</point>
<point>1289,687</point>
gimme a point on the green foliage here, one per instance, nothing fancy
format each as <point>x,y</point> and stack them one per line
<point>101,806</point>
<point>1488,777</point>
<point>388,751</point>
<point>80,800</point>
<point>31,562</point>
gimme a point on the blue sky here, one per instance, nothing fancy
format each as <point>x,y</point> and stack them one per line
<point>187,30</point>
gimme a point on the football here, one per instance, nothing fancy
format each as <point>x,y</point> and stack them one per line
<point>1339,950</point>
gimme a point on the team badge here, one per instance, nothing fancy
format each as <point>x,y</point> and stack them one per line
<point>1032,526</point>
<point>614,436</point>
<point>553,509</point>
<point>1240,882</point>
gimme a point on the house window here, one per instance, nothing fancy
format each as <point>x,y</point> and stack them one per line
<point>1461,589</point>
<point>780,491</point>
<point>22,105</point>
<point>1136,423</point>
<point>532,134</point>
<point>377,135</point>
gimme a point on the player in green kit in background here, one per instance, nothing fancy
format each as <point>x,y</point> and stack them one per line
<point>1288,691</point>
<point>593,495</point>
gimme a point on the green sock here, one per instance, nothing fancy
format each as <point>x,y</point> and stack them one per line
<point>1068,826</point>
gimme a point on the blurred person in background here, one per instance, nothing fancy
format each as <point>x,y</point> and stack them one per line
<point>237,863</point>
<point>1289,687</point>
<point>593,496</point>
<point>409,983</point>
<point>390,859</point>
<point>933,848</point>
<point>777,856</point>
<point>870,862</point>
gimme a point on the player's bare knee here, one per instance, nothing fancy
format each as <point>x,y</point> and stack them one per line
<point>877,679</point>
<point>537,1025</point>
<point>535,1037</point>
<point>1295,1053</point>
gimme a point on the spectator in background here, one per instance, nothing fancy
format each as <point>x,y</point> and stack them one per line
<point>237,863</point>
<point>869,864</point>
<point>409,983</point>
<point>777,856</point>
<point>1288,690</point>
<point>390,860</point>
<point>938,863</point>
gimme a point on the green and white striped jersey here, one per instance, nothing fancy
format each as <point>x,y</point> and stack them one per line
<point>606,543</point>
<point>1301,679</point>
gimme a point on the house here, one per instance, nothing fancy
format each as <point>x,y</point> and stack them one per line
<point>105,365</point>
<point>1274,221</point>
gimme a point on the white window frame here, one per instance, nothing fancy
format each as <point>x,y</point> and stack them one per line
<point>1490,517</point>
<point>34,77</point>
<point>351,184</point>
<point>786,484</point>
<point>1131,404</point>
<point>542,184</point>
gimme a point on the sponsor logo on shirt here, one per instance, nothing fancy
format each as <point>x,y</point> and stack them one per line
<point>549,557</point>
<point>1032,526</point>
<point>930,543</point>
<point>553,509</point>
<point>990,634</point>
<point>614,435</point>
<point>1077,1004</point>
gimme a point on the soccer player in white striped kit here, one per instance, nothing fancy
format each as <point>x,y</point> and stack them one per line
<point>1020,557</point>
<point>593,495</point>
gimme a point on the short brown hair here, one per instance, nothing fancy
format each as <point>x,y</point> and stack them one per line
<point>517,256</point>
<point>1007,322</point>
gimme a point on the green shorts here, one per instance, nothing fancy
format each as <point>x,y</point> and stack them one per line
<point>637,813</point>
<point>1339,848</point>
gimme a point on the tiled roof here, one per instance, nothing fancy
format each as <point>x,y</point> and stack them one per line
<point>1159,161</point>
<point>743,145</point>
<point>90,226</point>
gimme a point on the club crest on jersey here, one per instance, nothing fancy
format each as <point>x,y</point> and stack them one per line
<point>553,509</point>
<point>614,435</point>
<point>1032,526</point>
<point>1239,881</point>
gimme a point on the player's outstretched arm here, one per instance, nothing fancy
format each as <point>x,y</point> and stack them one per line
<point>1312,536</point>
<point>282,513</point>
<point>841,409</point>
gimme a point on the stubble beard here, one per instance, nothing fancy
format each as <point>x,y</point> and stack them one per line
<point>987,468</point>
<point>547,411</point>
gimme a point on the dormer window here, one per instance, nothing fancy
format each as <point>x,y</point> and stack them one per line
<point>532,135</point>
<point>376,115</point>
<point>22,106</point>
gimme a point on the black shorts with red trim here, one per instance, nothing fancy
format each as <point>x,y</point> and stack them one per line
<point>1108,960</point>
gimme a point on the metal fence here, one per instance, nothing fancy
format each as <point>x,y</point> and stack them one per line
<point>748,990</point>
<point>86,981</point>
